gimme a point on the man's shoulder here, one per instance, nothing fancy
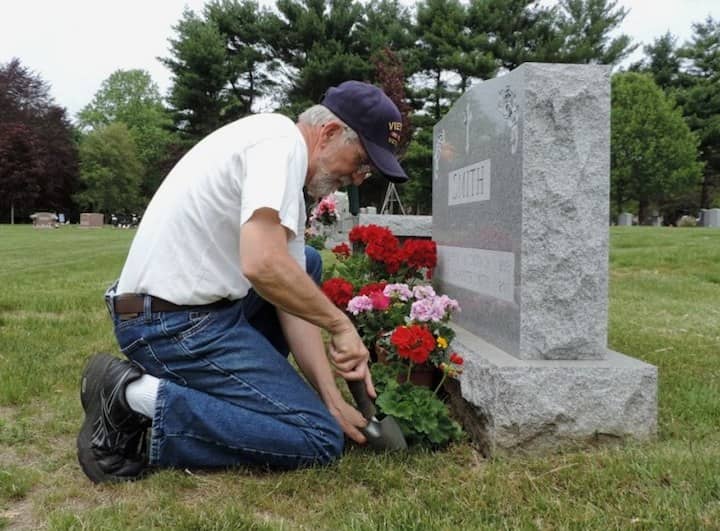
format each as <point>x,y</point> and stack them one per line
<point>271,120</point>
<point>254,129</point>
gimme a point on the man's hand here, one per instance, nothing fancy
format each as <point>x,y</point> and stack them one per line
<point>350,419</point>
<point>350,357</point>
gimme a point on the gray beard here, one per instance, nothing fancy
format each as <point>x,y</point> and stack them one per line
<point>324,183</point>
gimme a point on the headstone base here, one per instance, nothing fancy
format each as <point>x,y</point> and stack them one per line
<point>516,405</point>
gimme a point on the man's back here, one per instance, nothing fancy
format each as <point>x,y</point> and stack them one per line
<point>186,248</point>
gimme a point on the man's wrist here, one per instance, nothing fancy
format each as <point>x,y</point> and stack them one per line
<point>339,324</point>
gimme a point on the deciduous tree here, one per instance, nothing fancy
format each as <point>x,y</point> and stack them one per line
<point>653,152</point>
<point>110,170</point>
<point>38,156</point>
<point>131,97</point>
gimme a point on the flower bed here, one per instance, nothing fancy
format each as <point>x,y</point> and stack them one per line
<point>385,288</point>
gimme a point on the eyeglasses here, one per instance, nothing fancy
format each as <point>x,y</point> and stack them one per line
<point>364,167</point>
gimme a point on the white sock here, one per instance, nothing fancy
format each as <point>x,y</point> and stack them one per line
<point>141,395</point>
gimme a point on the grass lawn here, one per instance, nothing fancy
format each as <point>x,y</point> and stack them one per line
<point>664,309</point>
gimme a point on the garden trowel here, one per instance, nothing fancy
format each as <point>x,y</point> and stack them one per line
<point>382,434</point>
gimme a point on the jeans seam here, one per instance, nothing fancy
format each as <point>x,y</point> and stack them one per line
<point>180,435</point>
<point>157,424</point>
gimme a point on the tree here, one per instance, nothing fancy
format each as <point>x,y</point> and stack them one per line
<point>662,62</point>
<point>131,97</point>
<point>320,44</point>
<point>251,65</point>
<point>699,96</point>
<point>38,156</point>
<point>586,26</point>
<point>198,95</point>
<point>222,64</point>
<point>110,170</point>
<point>653,152</point>
<point>21,166</point>
<point>517,31</point>
<point>386,25</point>
<point>449,55</point>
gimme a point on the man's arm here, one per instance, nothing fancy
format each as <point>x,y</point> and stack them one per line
<point>306,344</point>
<point>277,277</point>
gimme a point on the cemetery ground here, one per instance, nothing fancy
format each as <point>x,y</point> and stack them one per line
<point>664,293</point>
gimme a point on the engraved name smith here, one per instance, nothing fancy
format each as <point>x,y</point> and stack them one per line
<point>469,184</point>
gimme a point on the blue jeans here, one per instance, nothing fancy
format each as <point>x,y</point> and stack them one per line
<point>228,395</point>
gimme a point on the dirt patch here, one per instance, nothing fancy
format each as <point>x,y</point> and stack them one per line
<point>19,516</point>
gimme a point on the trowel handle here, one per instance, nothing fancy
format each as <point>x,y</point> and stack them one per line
<point>362,399</point>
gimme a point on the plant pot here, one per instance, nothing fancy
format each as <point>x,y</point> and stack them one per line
<point>424,375</point>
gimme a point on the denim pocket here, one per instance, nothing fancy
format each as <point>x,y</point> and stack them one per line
<point>119,325</point>
<point>198,321</point>
<point>180,325</point>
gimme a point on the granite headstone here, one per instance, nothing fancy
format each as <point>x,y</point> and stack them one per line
<point>520,212</point>
<point>711,217</point>
<point>44,220</point>
<point>625,219</point>
<point>520,209</point>
<point>91,220</point>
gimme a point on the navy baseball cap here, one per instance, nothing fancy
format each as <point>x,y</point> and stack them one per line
<point>374,117</point>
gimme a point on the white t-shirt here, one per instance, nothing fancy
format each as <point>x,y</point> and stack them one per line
<point>186,249</point>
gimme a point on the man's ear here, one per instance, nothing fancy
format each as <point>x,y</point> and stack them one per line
<point>329,131</point>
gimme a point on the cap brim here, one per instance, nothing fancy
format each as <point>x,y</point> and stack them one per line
<point>385,162</point>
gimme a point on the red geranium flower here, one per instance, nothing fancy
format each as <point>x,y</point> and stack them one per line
<point>369,233</point>
<point>373,287</point>
<point>414,342</point>
<point>456,358</point>
<point>357,234</point>
<point>339,291</point>
<point>420,253</point>
<point>385,248</point>
<point>342,250</point>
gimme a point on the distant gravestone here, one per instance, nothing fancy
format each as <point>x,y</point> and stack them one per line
<point>656,220</point>
<point>520,207</point>
<point>711,217</point>
<point>91,220</point>
<point>44,220</point>
<point>625,219</point>
<point>338,232</point>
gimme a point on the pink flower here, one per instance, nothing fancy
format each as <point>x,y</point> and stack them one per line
<point>448,304</point>
<point>325,211</point>
<point>327,205</point>
<point>361,303</point>
<point>379,301</point>
<point>427,310</point>
<point>423,291</point>
<point>399,291</point>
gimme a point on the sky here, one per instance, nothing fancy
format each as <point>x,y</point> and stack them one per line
<point>76,44</point>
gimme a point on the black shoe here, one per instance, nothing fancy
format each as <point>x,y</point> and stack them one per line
<point>112,441</point>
